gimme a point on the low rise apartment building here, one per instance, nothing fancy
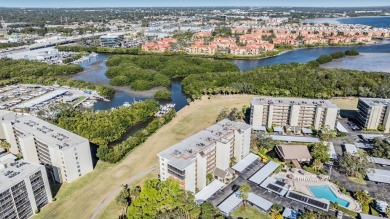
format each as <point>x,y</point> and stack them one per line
<point>24,188</point>
<point>373,112</point>
<point>293,112</point>
<point>210,151</point>
<point>67,155</point>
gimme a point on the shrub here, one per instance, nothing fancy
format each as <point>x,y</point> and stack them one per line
<point>351,52</point>
<point>337,55</point>
<point>381,128</point>
<point>324,59</point>
<point>163,95</point>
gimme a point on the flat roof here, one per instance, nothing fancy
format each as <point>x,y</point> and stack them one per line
<point>41,99</point>
<point>245,162</point>
<point>287,138</point>
<point>5,157</point>
<point>264,172</point>
<point>229,204</point>
<point>259,201</point>
<point>292,101</point>
<point>371,136</point>
<point>341,128</point>
<point>378,175</point>
<point>183,153</point>
<point>46,132</point>
<point>381,161</point>
<point>332,151</point>
<point>351,148</point>
<point>375,101</point>
<point>16,172</point>
<point>208,191</point>
<point>367,216</point>
<point>363,145</point>
<point>259,128</point>
<point>307,131</point>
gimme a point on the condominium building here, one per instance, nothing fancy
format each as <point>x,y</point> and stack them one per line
<point>111,40</point>
<point>373,112</point>
<point>24,188</point>
<point>293,112</point>
<point>207,152</point>
<point>66,155</point>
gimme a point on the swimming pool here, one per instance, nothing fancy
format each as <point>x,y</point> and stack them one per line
<point>326,193</point>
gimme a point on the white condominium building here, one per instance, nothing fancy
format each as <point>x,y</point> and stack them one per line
<point>293,112</point>
<point>67,155</point>
<point>24,188</point>
<point>373,112</point>
<point>207,152</point>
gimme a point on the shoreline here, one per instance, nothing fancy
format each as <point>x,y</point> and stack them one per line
<point>96,66</point>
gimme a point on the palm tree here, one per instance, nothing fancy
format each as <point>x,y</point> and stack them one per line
<point>123,199</point>
<point>209,177</point>
<point>4,144</point>
<point>363,197</point>
<point>244,192</point>
<point>317,165</point>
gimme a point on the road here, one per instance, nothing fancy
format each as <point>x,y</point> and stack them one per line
<point>61,41</point>
<point>116,191</point>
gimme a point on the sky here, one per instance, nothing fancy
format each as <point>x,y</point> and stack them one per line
<point>187,3</point>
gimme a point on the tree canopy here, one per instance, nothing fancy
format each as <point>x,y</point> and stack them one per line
<point>158,198</point>
<point>381,148</point>
<point>105,126</point>
<point>294,80</point>
<point>355,165</point>
<point>144,72</point>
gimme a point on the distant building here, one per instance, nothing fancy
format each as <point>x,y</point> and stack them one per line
<point>373,112</point>
<point>112,40</point>
<point>207,152</point>
<point>293,112</point>
<point>24,188</point>
<point>67,155</point>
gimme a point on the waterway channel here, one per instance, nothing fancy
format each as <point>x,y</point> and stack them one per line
<point>95,71</point>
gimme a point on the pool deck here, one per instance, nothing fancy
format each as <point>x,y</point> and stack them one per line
<point>300,181</point>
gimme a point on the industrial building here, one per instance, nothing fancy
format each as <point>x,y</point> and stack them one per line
<point>112,40</point>
<point>373,112</point>
<point>66,155</point>
<point>24,187</point>
<point>293,113</point>
<point>207,152</point>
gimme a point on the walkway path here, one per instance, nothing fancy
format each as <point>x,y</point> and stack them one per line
<point>116,191</point>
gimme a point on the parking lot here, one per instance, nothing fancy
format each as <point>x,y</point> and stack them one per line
<point>37,97</point>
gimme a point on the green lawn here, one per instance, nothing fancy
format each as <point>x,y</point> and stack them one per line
<point>249,212</point>
<point>358,180</point>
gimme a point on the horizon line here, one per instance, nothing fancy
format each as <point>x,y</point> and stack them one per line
<point>216,6</point>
